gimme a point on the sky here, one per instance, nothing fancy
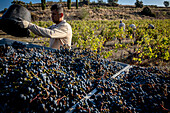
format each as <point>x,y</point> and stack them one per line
<point>7,3</point>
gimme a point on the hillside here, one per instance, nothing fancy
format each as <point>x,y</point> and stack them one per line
<point>96,12</point>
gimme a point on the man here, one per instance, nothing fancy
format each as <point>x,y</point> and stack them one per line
<point>151,26</point>
<point>132,26</point>
<point>60,33</point>
<point>133,32</point>
<point>122,25</point>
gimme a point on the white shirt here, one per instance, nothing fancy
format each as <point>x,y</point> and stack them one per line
<point>132,26</point>
<point>151,26</point>
<point>122,25</point>
<point>59,34</point>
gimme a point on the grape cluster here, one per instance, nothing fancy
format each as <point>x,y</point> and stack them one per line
<point>47,80</point>
<point>138,90</point>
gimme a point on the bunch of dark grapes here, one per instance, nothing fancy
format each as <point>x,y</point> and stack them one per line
<point>138,90</point>
<point>47,80</point>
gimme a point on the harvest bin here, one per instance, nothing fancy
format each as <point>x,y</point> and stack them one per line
<point>126,89</point>
<point>15,44</point>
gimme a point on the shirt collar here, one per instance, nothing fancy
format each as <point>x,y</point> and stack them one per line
<point>61,22</point>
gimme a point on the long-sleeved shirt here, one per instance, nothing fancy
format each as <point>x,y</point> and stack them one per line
<point>59,34</point>
<point>122,25</point>
<point>132,26</point>
<point>151,26</point>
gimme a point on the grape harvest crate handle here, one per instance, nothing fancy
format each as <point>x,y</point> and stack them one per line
<point>95,90</point>
<point>86,97</point>
<point>124,69</point>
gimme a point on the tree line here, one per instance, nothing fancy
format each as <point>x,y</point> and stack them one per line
<point>111,2</point>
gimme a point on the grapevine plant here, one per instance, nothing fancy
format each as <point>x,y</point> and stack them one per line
<point>149,43</point>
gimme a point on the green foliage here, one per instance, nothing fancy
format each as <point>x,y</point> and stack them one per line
<point>30,3</point>
<point>34,17</point>
<point>147,11</point>
<point>85,2</point>
<point>3,11</point>
<point>151,44</point>
<point>138,4</point>
<point>18,2</point>
<point>113,2</point>
<point>100,1</point>
<point>82,14</point>
<point>69,4</point>
<point>166,3</point>
<point>43,4</point>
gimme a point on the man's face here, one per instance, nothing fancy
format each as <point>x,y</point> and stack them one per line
<point>55,16</point>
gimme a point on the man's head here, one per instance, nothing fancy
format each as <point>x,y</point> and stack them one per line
<point>57,13</point>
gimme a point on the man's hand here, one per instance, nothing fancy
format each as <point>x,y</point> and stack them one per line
<point>24,24</point>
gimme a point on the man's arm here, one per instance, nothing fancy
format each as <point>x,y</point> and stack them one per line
<point>60,32</point>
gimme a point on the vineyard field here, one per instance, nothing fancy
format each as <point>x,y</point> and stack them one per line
<point>145,47</point>
<point>135,46</point>
<point>107,69</point>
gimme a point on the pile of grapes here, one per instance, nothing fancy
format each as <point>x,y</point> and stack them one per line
<point>138,90</point>
<point>47,80</point>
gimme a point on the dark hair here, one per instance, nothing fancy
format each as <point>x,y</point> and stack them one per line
<point>57,7</point>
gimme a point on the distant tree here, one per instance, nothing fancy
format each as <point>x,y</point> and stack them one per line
<point>77,4</point>
<point>69,4</point>
<point>18,2</point>
<point>139,4</point>
<point>61,1</point>
<point>100,1</point>
<point>113,2</point>
<point>3,11</point>
<point>148,12</point>
<point>30,3</point>
<point>43,4</point>
<point>166,3</point>
<point>86,2</point>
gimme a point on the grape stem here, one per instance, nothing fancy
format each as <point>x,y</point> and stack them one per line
<point>58,100</point>
<point>164,108</point>
<point>34,98</point>
<point>56,86</point>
